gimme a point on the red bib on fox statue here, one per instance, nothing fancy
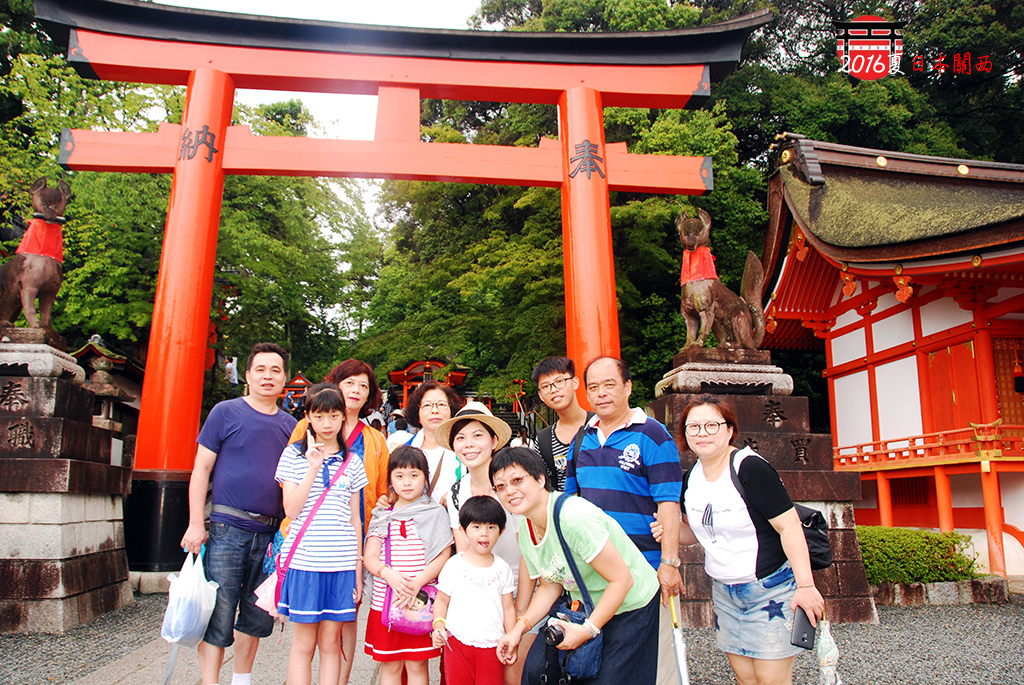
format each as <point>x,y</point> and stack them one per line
<point>697,264</point>
<point>43,238</point>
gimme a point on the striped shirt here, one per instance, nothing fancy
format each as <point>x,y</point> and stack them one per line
<point>408,556</point>
<point>627,474</point>
<point>560,453</point>
<point>330,543</point>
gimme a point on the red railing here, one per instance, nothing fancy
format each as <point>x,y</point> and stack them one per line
<point>980,441</point>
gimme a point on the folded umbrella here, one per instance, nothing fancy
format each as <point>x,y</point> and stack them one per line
<point>828,655</point>
<point>679,643</point>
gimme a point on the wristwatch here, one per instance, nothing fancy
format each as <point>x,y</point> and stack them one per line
<point>675,563</point>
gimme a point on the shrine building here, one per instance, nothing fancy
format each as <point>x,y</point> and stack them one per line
<point>908,271</point>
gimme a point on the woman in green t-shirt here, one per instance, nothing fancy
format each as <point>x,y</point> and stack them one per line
<point>622,584</point>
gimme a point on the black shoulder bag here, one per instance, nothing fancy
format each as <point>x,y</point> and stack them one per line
<point>584,662</point>
<point>815,528</point>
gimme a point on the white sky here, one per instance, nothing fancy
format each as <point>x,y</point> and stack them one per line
<point>343,116</point>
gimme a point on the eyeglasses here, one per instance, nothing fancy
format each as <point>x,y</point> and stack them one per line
<point>557,384</point>
<point>431,406</point>
<point>711,427</point>
<point>515,482</point>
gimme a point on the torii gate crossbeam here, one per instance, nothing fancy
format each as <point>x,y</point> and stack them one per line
<point>215,53</point>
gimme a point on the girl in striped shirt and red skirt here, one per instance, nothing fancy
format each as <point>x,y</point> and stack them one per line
<point>419,535</point>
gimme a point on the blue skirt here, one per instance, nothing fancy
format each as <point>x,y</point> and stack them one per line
<point>314,596</point>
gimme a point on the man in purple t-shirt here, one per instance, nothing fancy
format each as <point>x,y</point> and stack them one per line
<point>239,447</point>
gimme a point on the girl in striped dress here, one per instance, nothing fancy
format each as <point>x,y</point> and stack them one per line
<point>420,540</point>
<point>324,578</point>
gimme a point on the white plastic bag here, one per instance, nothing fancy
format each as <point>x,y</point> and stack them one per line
<point>189,604</point>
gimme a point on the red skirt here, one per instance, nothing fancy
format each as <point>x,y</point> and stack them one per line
<point>384,644</point>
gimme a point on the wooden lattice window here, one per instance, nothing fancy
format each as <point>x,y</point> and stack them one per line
<point>910,492</point>
<point>1011,403</point>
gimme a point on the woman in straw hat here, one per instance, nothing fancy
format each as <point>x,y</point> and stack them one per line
<point>474,434</point>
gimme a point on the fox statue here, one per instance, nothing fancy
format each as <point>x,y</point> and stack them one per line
<point>37,268</point>
<point>708,306</point>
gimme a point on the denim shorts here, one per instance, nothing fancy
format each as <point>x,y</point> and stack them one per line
<point>234,559</point>
<point>754,619</point>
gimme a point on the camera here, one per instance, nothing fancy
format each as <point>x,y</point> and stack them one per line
<point>554,634</point>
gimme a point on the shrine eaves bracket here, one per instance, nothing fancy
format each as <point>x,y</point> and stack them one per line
<point>215,53</point>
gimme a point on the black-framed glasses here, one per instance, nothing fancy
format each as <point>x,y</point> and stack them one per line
<point>557,384</point>
<point>711,427</point>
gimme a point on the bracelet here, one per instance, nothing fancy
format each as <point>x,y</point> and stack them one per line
<point>591,628</point>
<point>380,573</point>
<point>436,620</point>
<point>804,587</point>
<point>526,621</point>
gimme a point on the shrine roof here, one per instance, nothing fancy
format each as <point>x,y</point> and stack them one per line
<point>868,205</point>
<point>124,365</point>
<point>717,45</point>
<point>839,214</point>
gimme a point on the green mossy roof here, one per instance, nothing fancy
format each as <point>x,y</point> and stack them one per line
<point>858,208</point>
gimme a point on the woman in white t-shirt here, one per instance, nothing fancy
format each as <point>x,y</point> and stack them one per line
<point>754,548</point>
<point>430,405</point>
<point>474,434</point>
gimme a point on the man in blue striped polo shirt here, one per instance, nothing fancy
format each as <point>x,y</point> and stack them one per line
<point>628,465</point>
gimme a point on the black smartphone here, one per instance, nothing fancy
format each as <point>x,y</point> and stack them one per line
<point>803,631</point>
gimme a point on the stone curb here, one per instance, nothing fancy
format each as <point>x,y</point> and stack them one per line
<point>983,590</point>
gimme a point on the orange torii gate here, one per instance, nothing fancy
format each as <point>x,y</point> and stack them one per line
<point>214,53</point>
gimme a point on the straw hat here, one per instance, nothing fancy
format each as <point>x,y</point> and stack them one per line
<point>475,411</point>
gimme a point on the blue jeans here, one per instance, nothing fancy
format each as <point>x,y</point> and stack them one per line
<point>754,619</point>
<point>234,559</point>
<point>629,653</point>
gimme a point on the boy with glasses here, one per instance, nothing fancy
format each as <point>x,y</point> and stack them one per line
<point>556,381</point>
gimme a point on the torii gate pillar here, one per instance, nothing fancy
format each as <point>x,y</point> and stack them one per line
<point>181,311</point>
<point>591,317</point>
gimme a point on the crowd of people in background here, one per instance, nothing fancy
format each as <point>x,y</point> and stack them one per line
<point>471,545</point>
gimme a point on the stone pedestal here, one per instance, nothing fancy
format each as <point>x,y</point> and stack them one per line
<point>62,552</point>
<point>778,428</point>
<point>733,372</point>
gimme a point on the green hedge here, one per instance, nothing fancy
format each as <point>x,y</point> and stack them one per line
<point>906,555</point>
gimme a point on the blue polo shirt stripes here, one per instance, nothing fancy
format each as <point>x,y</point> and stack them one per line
<point>636,467</point>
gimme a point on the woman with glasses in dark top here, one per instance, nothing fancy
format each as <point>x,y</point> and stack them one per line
<point>754,547</point>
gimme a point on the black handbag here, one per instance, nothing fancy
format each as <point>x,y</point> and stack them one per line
<point>584,662</point>
<point>819,547</point>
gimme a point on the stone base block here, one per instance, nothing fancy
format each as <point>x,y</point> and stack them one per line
<point>36,437</point>
<point>26,396</point>
<point>52,507</point>
<point>64,475</point>
<point>153,583</point>
<point>59,541</point>
<point>755,414</point>
<point>55,579</point>
<point>67,613</point>
<point>33,336</point>
<point>721,355</point>
<point>809,486</point>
